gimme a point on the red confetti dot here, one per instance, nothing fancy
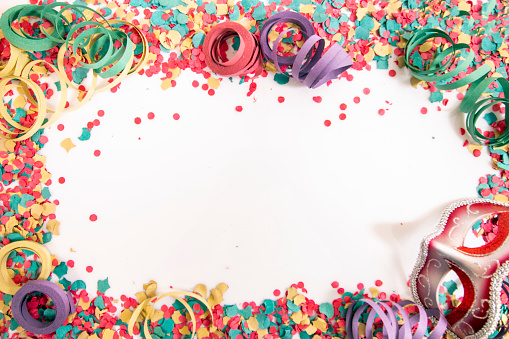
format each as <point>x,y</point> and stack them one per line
<point>61,180</point>
<point>392,73</point>
<point>238,108</point>
<point>204,87</point>
<point>360,286</point>
<point>43,139</point>
<point>70,263</point>
<point>277,293</point>
<point>356,100</point>
<point>90,125</point>
<point>90,269</point>
<point>211,92</point>
<point>327,123</point>
<point>137,121</point>
<point>93,217</point>
<point>196,84</point>
<point>60,127</point>
<point>424,110</point>
<point>97,152</point>
<point>96,122</point>
<point>378,283</point>
<point>366,91</point>
<point>341,290</point>
<point>151,116</point>
<point>349,77</point>
<point>281,99</point>
<point>335,284</point>
<point>381,111</point>
<point>317,99</point>
<point>343,106</point>
<point>460,96</point>
<point>476,153</point>
<point>100,113</point>
<point>176,116</point>
<point>342,116</point>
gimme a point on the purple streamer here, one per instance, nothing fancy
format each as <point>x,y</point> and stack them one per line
<point>388,316</point>
<point>309,66</point>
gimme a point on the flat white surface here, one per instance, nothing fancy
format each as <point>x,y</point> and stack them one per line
<point>262,198</point>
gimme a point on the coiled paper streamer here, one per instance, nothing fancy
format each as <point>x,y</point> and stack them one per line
<point>246,60</point>
<point>437,72</point>
<point>174,294</point>
<point>6,284</point>
<point>309,66</point>
<point>62,301</point>
<point>392,329</point>
<point>92,43</point>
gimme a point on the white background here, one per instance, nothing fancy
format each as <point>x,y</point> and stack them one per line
<point>262,198</point>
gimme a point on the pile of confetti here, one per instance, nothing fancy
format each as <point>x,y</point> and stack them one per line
<point>175,31</point>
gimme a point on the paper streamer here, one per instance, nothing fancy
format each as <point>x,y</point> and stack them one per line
<point>91,43</point>
<point>62,301</point>
<point>6,284</point>
<point>438,72</point>
<point>246,60</point>
<point>174,294</point>
<point>388,315</point>
<point>309,66</point>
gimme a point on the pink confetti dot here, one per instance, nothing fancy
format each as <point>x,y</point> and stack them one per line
<point>211,92</point>
<point>317,99</point>
<point>151,115</point>
<point>335,284</point>
<point>277,293</point>
<point>360,286</point>
<point>460,96</point>
<point>366,91</point>
<point>196,84</point>
<point>137,120</point>
<point>356,100</point>
<point>90,125</point>
<point>100,113</point>
<point>392,73</point>
<point>70,263</point>
<point>90,269</point>
<point>93,217</point>
<point>349,77</point>
<point>342,116</point>
<point>176,116</point>
<point>43,139</point>
<point>381,111</point>
<point>60,127</point>
<point>327,123</point>
<point>281,99</point>
<point>238,108</point>
<point>97,152</point>
<point>343,106</point>
<point>204,87</point>
<point>476,153</point>
<point>424,110</point>
<point>96,122</point>
<point>61,180</point>
<point>378,283</point>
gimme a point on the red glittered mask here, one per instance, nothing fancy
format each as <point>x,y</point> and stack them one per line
<point>481,270</point>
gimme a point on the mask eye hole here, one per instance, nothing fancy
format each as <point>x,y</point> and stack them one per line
<point>487,235</point>
<point>450,293</point>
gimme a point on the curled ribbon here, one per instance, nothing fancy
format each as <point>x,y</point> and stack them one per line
<point>438,73</point>
<point>246,60</point>
<point>62,301</point>
<point>392,329</point>
<point>96,45</point>
<point>6,284</point>
<point>309,66</point>
<point>174,294</point>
